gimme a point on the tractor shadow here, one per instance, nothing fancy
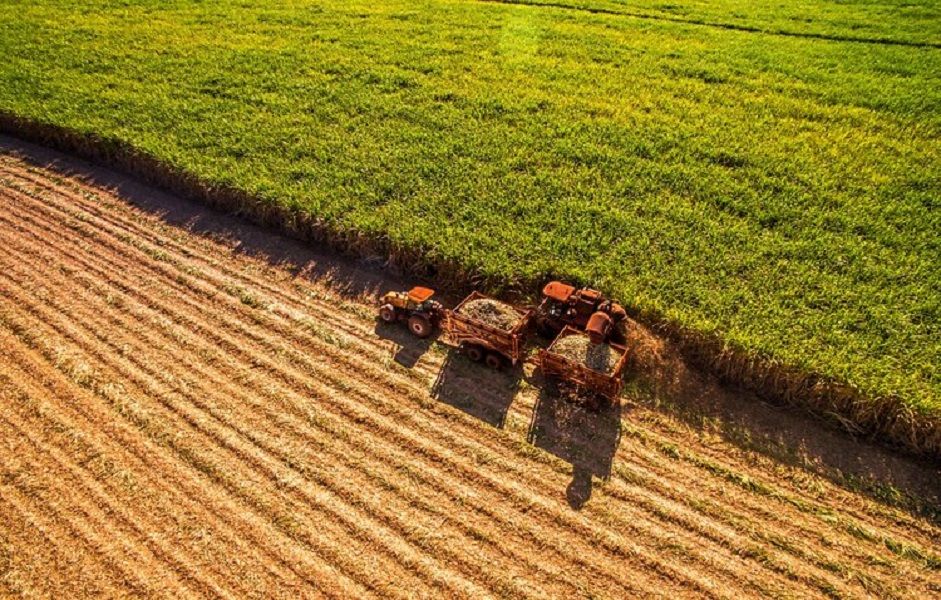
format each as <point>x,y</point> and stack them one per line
<point>408,349</point>
<point>475,389</point>
<point>583,434</point>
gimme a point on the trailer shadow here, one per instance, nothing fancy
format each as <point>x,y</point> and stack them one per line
<point>475,389</point>
<point>580,433</point>
<point>408,348</point>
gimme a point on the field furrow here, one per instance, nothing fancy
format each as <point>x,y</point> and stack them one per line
<point>163,243</point>
<point>217,452</point>
<point>151,482</point>
<point>90,317</point>
<point>200,420</point>
<point>133,542</point>
<point>767,562</point>
<point>646,534</point>
<point>75,556</point>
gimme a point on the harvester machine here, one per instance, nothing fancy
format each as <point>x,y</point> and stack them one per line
<point>564,311</point>
<point>582,309</point>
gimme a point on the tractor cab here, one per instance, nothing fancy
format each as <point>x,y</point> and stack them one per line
<point>419,295</point>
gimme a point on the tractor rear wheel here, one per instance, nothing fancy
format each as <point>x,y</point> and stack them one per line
<point>474,352</point>
<point>419,326</point>
<point>387,313</point>
<point>494,361</point>
<point>545,329</point>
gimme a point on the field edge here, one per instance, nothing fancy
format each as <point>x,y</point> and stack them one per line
<point>887,419</point>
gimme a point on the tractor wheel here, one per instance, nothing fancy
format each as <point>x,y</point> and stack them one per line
<point>474,352</point>
<point>419,326</point>
<point>494,361</point>
<point>545,329</point>
<point>387,313</point>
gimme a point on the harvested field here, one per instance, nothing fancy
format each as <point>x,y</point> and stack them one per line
<point>492,312</point>
<point>579,349</point>
<point>193,407</point>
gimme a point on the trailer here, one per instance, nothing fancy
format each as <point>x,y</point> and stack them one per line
<point>606,385</point>
<point>484,342</point>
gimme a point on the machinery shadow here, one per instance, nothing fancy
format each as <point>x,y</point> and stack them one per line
<point>475,389</point>
<point>408,348</point>
<point>584,434</point>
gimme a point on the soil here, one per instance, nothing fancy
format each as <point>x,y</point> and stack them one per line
<point>191,406</point>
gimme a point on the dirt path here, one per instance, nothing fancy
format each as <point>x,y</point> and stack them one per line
<point>193,406</point>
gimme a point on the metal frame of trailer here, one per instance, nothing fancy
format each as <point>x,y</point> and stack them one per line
<point>607,385</point>
<point>466,332</point>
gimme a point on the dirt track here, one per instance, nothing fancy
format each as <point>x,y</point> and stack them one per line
<point>182,414</point>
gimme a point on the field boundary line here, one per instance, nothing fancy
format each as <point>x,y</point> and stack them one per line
<point>887,419</point>
<point>598,10</point>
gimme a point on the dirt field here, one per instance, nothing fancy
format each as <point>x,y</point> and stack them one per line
<point>191,406</point>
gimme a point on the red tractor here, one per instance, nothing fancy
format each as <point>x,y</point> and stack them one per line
<point>414,306</point>
<point>584,309</point>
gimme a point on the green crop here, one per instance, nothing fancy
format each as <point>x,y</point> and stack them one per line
<point>767,172</point>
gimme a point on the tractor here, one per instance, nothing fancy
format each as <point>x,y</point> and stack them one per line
<point>415,307</point>
<point>584,309</point>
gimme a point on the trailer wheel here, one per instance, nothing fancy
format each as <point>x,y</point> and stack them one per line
<point>494,361</point>
<point>594,402</point>
<point>474,352</point>
<point>387,313</point>
<point>419,326</point>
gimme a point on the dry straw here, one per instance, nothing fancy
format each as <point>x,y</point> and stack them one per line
<point>579,349</point>
<point>492,312</point>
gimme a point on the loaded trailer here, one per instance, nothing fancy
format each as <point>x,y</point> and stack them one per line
<point>482,341</point>
<point>605,377</point>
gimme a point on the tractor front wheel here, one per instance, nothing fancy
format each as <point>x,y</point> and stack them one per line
<point>419,326</point>
<point>387,313</point>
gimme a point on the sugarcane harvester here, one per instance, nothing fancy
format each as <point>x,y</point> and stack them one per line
<point>582,309</point>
